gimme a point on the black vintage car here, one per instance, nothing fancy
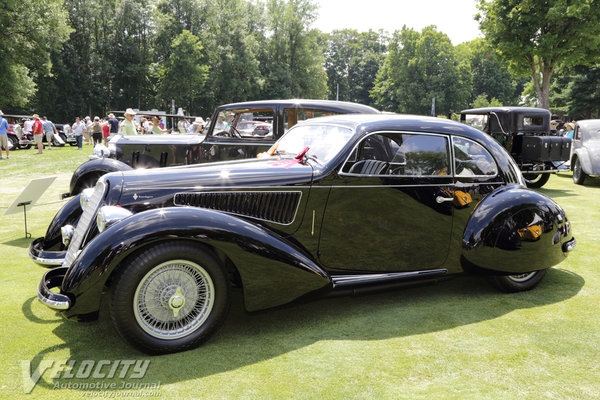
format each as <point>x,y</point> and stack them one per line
<point>234,140</point>
<point>525,133</point>
<point>345,203</point>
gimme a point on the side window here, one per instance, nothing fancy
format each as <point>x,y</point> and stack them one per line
<point>400,154</point>
<point>245,124</point>
<point>291,116</point>
<point>471,159</point>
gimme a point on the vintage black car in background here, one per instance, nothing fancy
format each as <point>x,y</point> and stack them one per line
<point>585,160</point>
<point>345,203</point>
<point>525,133</point>
<point>247,134</point>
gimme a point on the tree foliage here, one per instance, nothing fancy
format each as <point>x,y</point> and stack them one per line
<point>29,31</point>
<point>536,36</point>
<point>421,66</point>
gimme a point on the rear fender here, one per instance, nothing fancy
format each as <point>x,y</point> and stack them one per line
<point>515,230</point>
<point>273,270</point>
<point>94,168</point>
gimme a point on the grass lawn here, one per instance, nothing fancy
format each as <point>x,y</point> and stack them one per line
<point>457,339</point>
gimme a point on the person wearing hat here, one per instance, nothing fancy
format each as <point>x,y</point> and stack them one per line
<point>569,129</point>
<point>553,130</point>
<point>3,136</point>
<point>156,129</point>
<point>38,133</point>
<point>197,125</point>
<point>127,127</point>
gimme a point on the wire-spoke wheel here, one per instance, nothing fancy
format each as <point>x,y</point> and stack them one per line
<point>518,282</point>
<point>171,297</point>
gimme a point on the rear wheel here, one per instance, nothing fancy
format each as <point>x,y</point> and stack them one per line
<point>578,174</point>
<point>536,180</point>
<point>13,143</point>
<point>169,298</point>
<point>518,282</point>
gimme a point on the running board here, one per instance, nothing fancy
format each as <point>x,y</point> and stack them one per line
<point>367,279</point>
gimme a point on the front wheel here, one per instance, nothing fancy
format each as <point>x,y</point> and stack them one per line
<point>13,143</point>
<point>578,174</point>
<point>536,180</point>
<point>170,297</point>
<point>518,282</point>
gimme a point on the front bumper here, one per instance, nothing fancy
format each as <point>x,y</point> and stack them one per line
<point>53,279</point>
<point>43,257</point>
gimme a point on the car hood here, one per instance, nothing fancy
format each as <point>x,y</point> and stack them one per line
<point>143,189</point>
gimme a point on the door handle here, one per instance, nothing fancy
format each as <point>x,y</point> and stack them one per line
<point>441,199</point>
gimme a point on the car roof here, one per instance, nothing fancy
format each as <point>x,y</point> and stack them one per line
<point>363,123</point>
<point>508,109</point>
<point>331,105</point>
<point>590,126</point>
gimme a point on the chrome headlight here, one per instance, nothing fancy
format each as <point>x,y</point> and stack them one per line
<point>110,215</point>
<point>86,195</point>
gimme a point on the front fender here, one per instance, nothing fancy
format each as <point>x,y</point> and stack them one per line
<point>92,170</point>
<point>49,249</point>
<point>516,230</point>
<point>273,270</point>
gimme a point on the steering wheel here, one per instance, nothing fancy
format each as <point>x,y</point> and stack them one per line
<point>235,132</point>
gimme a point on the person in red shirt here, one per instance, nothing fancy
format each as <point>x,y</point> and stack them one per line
<point>105,131</point>
<point>38,133</point>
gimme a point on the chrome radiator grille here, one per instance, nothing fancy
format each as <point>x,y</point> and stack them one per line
<point>83,225</point>
<point>278,207</point>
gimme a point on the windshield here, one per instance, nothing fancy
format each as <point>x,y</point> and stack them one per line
<point>324,142</point>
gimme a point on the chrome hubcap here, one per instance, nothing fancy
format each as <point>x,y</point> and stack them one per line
<point>520,278</point>
<point>174,299</point>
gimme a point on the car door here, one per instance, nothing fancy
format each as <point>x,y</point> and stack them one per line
<point>390,209</point>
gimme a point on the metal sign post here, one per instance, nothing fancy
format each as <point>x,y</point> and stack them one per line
<point>28,197</point>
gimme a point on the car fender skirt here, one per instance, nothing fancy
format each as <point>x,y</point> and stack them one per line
<point>516,230</point>
<point>585,156</point>
<point>273,270</point>
<point>96,166</point>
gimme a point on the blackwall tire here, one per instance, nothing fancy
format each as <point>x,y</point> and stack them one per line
<point>578,174</point>
<point>169,298</point>
<point>518,282</point>
<point>536,180</point>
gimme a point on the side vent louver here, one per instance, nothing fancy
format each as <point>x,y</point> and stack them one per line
<point>278,207</point>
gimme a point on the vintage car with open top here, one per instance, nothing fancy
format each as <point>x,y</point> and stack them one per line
<point>525,133</point>
<point>339,204</point>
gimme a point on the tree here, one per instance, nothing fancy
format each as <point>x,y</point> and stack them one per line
<point>536,36</point>
<point>490,76</point>
<point>183,75</point>
<point>352,60</point>
<point>29,31</point>
<point>420,67</point>
<point>293,63</point>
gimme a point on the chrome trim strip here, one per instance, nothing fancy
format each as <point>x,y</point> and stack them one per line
<point>46,261</point>
<point>245,215</point>
<point>363,279</point>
